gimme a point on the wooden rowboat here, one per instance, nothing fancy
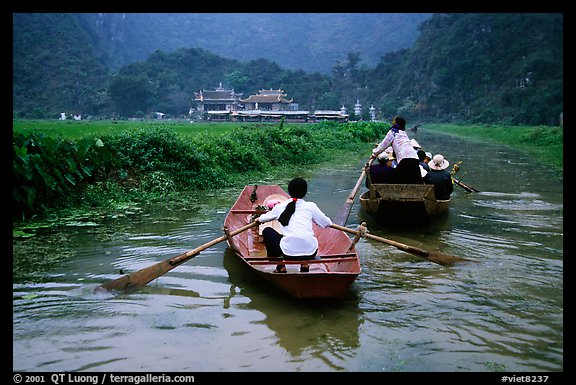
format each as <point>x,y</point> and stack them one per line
<point>329,277</point>
<point>397,203</point>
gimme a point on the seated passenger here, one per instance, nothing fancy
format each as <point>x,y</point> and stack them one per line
<point>422,156</point>
<point>440,177</point>
<point>383,171</point>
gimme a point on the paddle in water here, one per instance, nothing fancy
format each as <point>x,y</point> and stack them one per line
<point>141,277</point>
<point>344,213</point>
<point>433,256</point>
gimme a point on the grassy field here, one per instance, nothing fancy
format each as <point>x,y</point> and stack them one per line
<point>543,141</point>
<point>88,128</point>
<point>98,163</point>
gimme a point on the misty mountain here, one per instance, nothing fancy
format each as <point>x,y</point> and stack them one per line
<point>463,67</point>
<point>312,42</point>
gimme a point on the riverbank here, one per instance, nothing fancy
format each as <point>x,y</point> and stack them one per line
<point>102,169</point>
<point>66,167</point>
<point>546,143</point>
<point>222,150</point>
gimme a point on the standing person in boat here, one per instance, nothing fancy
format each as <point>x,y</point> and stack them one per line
<point>297,241</point>
<point>440,177</point>
<point>408,168</point>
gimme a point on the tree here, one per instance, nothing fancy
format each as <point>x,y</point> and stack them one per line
<point>236,80</point>
<point>131,93</point>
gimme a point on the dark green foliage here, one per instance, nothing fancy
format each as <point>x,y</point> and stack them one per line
<point>131,93</point>
<point>46,170</point>
<point>486,68</point>
<point>51,172</point>
<point>468,67</point>
<point>54,70</point>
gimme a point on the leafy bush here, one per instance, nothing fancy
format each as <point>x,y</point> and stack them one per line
<point>47,170</point>
<point>51,172</point>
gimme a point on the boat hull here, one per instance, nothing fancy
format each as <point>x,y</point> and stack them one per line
<point>410,203</point>
<point>330,276</point>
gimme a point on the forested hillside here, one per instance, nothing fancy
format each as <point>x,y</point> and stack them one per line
<point>312,42</point>
<point>54,67</point>
<point>468,67</point>
<point>479,68</point>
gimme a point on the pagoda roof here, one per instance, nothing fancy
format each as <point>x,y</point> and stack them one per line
<point>272,92</point>
<point>217,95</point>
<point>273,98</point>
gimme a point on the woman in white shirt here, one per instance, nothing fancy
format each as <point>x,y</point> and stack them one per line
<point>297,241</point>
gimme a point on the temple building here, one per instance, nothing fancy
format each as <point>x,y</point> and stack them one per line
<point>217,102</point>
<point>265,106</point>
<point>269,100</point>
<point>358,108</point>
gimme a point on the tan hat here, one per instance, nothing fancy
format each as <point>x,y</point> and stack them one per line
<point>438,163</point>
<point>386,156</point>
<point>273,199</point>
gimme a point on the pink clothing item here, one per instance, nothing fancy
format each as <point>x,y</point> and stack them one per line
<point>400,143</point>
<point>272,203</point>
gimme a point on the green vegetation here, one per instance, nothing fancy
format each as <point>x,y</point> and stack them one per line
<point>545,142</point>
<point>497,68</point>
<point>71,129</point>
<point>154,162</point>
<point>107,165</point>
<point>70,173</point>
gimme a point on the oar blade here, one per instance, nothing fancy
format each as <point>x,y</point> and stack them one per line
<point>431,255</point>
<point>138,279</point>
<point>443,258</point>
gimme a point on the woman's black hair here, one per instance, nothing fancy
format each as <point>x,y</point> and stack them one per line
<point>400,121</point>
<point>297,189</point>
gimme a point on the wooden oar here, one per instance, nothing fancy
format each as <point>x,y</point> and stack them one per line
<point>140,278</point>
<point>465,186</point>
<point>344,213</point>
<point>433,256</point>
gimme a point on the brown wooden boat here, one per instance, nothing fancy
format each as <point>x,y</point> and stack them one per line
<point>396,203</point>
<point>328,277</point>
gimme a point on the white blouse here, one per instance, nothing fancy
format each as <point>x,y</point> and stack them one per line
<point>298,239</point>
<point>400,142</point>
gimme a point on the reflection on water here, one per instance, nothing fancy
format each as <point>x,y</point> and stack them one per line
<point>324,329</point>
<point>503,312</point>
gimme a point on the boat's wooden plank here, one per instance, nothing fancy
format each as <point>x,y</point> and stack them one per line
<point>323,257</point>
<point>274,261</point>
<point>246,211</point>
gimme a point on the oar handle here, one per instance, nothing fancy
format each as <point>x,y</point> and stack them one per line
<point>401,246</point>
<point>143,276</point>
<point>187,255</point>
<point>359,181</point>
<point>342,216</point>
